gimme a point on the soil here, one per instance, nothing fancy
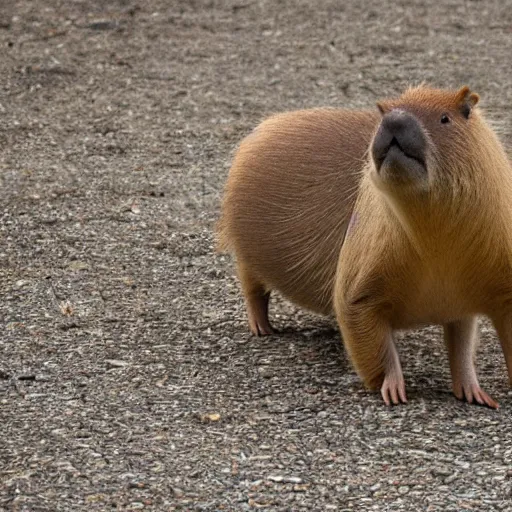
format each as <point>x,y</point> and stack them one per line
<point>128,379</point>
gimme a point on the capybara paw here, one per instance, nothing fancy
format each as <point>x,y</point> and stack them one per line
<point>261,329</point>
<point>393,390</point>
<point>473,394</point>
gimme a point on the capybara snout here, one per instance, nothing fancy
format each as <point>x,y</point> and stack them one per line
<point>400,138</point>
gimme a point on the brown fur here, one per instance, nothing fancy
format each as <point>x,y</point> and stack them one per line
<point>289,197</point>
<point>411,257</point>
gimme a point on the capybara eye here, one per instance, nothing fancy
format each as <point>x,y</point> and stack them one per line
<point>445,119</point>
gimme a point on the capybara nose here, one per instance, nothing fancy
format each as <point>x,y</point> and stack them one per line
<point>402,130</point>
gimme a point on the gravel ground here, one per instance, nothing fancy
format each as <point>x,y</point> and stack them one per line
<point>128,379</point>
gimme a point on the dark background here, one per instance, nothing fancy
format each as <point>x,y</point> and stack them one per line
<point>128,379</point>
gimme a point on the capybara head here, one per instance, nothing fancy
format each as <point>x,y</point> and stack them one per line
<point>426,137</point>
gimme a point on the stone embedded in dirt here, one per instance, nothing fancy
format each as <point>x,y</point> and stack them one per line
<point>451,478</point>
<point>442,471</point>
<point>78,265</point>
<point>116,363</point>
<point>27,377</point>
<point>293,479</point>
<point>209,417</point>
<point>102,25</point>
<point>178,493</point>
<point>285,479</point>
<point>161,382</point>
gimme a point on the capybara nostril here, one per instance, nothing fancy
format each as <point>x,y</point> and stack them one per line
<point>401,129</point>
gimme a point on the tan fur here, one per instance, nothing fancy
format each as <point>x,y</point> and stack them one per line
<point>289,197</point>
<point>440,255</point>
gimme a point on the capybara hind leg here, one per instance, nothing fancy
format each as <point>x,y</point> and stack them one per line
<point>370,345</point>
<point>257,311</point>
<point>503,326</point>
<point>256,299</point>
<point>461,338</point>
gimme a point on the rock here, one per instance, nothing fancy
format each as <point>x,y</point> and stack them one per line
<point>102,25</point>
<point>178,493</point>
<point>209,417</point>
<point>116,363</point>
<point>451,478</point>
<point>293,479</point>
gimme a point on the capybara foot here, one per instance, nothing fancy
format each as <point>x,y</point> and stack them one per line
<point>257,309</point>
<point>473,394</point>
<point>393,390</point>
<point>260,328</point>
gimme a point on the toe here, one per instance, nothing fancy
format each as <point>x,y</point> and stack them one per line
<point>401,392</point>
<point>265,330</point>
<point>393,391</point>
<point>487,400</point>
<point>468,395</point>
<point>474,394</point>
<point>385,395</point>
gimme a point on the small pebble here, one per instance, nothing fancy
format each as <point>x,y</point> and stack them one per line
<point>442,471</point>
<point>210,417</point>
<point>178,493</point>
<point>116,363</point>
<point>293,479</point>
<point>450,479</point>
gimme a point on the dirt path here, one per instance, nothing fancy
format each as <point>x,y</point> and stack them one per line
<point>127,378</point>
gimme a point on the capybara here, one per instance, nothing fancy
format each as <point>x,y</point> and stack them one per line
<point>389,219</point>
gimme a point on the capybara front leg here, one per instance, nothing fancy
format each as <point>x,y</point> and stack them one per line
<point>461,338</point>
<point>256,300</point>
<point>393,387</point>
<point>370,345</point>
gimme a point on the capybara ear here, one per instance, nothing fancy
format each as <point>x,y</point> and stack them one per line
<point>464,95</point>
<point>473,99</point>
<point>466,100</point>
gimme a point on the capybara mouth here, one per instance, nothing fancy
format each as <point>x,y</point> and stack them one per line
<point>395,153</point>
<point>401,166</point>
